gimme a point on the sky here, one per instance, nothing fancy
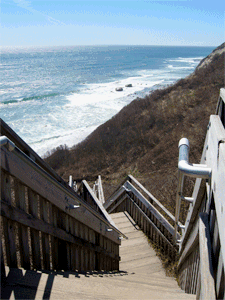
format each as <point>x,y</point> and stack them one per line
<point>138,22</point>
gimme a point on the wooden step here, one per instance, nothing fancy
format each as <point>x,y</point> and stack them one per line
<point>141,276</point>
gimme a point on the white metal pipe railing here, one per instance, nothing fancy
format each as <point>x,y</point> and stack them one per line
<point>191,170</point>
<point>187,169</point>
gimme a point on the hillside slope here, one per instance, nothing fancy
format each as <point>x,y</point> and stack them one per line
<point>142,139</point>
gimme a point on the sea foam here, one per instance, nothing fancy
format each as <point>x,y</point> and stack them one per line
<point>53,96</point>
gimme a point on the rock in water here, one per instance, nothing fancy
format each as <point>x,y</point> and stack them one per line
<point>119,89</point>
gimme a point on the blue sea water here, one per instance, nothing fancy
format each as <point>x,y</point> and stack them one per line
<point>58,95</point>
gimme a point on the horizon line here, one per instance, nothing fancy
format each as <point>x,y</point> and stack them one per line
<point>103,45</point>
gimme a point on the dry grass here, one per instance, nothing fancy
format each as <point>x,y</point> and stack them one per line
<point>143,137</point>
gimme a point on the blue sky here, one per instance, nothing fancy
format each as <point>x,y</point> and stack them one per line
<point>62,23</point>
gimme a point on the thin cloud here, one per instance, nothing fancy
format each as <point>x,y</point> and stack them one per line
<point>27,5</point>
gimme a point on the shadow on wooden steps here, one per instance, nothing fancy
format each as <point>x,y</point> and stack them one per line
<point>29,284</point>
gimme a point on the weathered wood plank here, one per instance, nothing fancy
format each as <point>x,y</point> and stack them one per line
<point>7,131</point>
<point>55,239</point>
<point>152,224</point>
<point>195,272</point>
<point>110,210</point>
<point>73,257</point>
<point>100,190</point>
<point>24,247</point>
<point>213,202</point>
<point>40,182</point>
<point>44,212</point>
<point>193,212</point>
<point>207,277</point>
<point>17,215</point>
<point>82,266</point>
<point>150,207</point>
<point>20,195</point>
<point>20,201</point>
<point>219,278</point>
<point>5,187</point>
<point>219,192</point>
<point>98,203</point>
<point>51,238</point>
<point>215,241</point>
<point>3,273</point>
<point>35,238</point>
<point>191,244</point>
<point>115,196</point>
<point>10,242</point>
<point>151,197</point>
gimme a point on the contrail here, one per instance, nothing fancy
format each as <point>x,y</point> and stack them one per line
<point>27,5</point>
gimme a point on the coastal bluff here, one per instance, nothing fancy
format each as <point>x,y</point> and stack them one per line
<point>65,239</point>
<point>142,138</point>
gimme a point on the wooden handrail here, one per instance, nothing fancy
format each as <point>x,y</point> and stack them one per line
<point>25,148</point>
<point>129,198</point>
<point>150,197</point>
<point>101,208</point>
<point>155,201</point>
<point>69,195</point>
<point>55,220</point>
<point>152,223</point>
<point>151,208</point>
<point>201,266</point>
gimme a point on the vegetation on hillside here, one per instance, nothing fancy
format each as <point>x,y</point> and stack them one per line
<point>142,139</point>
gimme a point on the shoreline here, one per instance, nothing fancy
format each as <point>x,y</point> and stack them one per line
<point>67,108</point>
<point>78,135</point>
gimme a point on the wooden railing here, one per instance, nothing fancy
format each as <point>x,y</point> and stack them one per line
<point>141,205</point>
<point>202,247</point>
<point>25,148</point>
<point>46,225</point>
<point>89,196</point>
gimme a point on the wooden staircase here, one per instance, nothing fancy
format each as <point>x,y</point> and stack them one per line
<point>141,275</point>
<point>61,242</point>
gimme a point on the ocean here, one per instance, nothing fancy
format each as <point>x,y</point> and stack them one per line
<point>55,96</point>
